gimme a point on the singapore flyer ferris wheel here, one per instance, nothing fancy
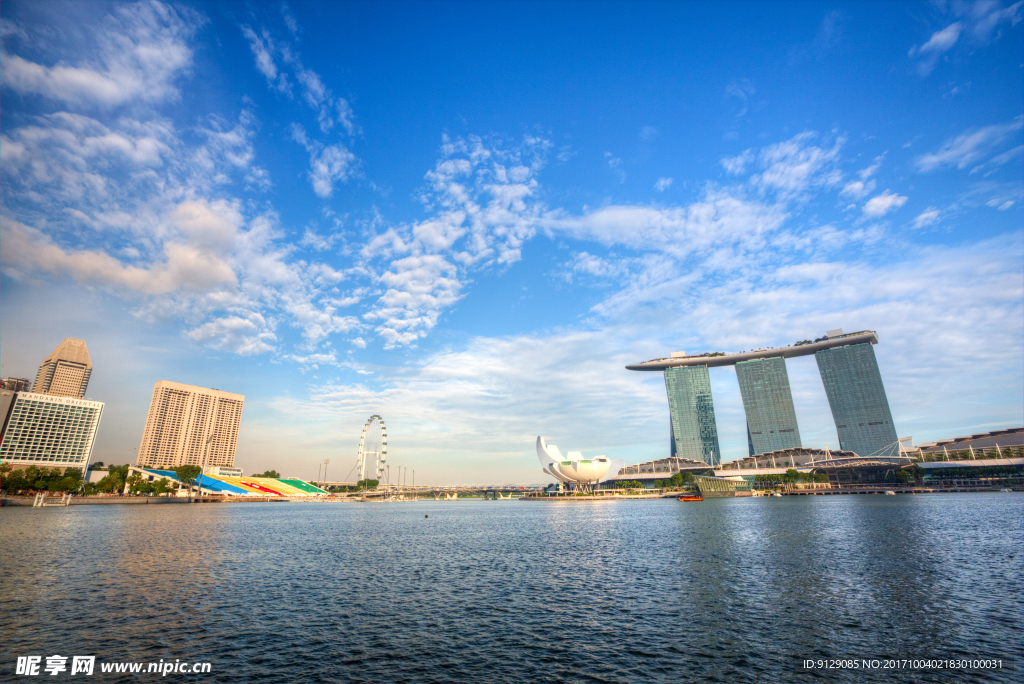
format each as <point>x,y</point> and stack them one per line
<point>373,449</point>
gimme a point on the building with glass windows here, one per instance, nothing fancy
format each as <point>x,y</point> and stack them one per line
<point>856,395</point>
<point>768,403</point>
<point>692,415</point>
<point>849,372</point>
<point>46,430</point>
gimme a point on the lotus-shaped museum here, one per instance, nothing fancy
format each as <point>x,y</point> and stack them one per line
<point>573,469</point>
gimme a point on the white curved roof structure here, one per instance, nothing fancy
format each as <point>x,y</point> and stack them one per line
<point>573,468</point>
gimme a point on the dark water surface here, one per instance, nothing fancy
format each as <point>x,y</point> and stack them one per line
<point>728,590</point>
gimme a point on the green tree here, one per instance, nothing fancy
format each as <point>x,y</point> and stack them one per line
<point>162,486</point>
<point>187,474</point>
<point>120,472</point>
<point>366,484</point>
<point>269,473</point>
<point>791,476</point>
<point>677,480</point>
<point>15,482</point>
<point>110,483</point>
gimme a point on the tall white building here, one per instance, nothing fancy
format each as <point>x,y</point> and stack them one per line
<point>65,372</point>
<point>45,430</point>
<point>181,420</point>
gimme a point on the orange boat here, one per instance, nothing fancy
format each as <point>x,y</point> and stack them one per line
<point>690,497</point>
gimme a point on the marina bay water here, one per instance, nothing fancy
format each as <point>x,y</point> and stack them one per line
<point>728,590</point>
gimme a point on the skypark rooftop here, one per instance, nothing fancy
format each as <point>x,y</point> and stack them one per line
<point>714,359</point>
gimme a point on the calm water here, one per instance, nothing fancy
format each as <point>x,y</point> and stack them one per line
<point>729,590</point>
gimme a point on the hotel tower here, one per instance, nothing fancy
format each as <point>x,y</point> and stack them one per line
<point>189,425</point>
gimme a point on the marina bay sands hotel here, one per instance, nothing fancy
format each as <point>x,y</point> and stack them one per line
<point>848,369</point>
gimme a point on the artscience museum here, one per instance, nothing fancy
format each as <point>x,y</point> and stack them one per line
<point>574,470</point>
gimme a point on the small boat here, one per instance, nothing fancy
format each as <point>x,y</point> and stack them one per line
<point>889,492</point>
<point>776,494</point>
<point>690,497</point>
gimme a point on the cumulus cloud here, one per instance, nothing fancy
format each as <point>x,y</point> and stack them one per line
<point>880,205</point>
<point>141,50</point>
<point>969,147</point>
<point>663,184</point>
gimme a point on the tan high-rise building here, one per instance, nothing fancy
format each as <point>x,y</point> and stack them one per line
<point>65,372</point>
<point>182,418</point>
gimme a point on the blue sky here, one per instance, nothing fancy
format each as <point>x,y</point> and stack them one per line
<point>469,217</point>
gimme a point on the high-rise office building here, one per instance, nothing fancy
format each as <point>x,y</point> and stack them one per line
<point>47,430</point>
<point>856,395</point>
<point>16,384</point>
<point>187,425</point>
<point>692,414</point>
<point>768,403</point>
<point>65,372</point>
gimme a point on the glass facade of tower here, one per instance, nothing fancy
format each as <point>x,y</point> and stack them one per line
<point>692,412</point>
<point>857,398</point>
<point>768,402</point>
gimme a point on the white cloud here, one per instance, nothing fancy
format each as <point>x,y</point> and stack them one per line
<point>791,168</point>
<point>273,57</point>
<point>327,164</point>
<point>926,217</point>
<point>592,265</point>
<point>857,189</point>
<point>880,205</point>
<point>141,51</point>
<point>969,147</point>
<point>977,20</point>
<point>940,40</point>
<point>243,336</point>
<point>738,164</point>
<point>984,17</point>
<point>615,165</point>
<point>663,184</point>
<point>419,288</point>
<point>332,163</point>
<point>719,220</point>
<point>183,266</point>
